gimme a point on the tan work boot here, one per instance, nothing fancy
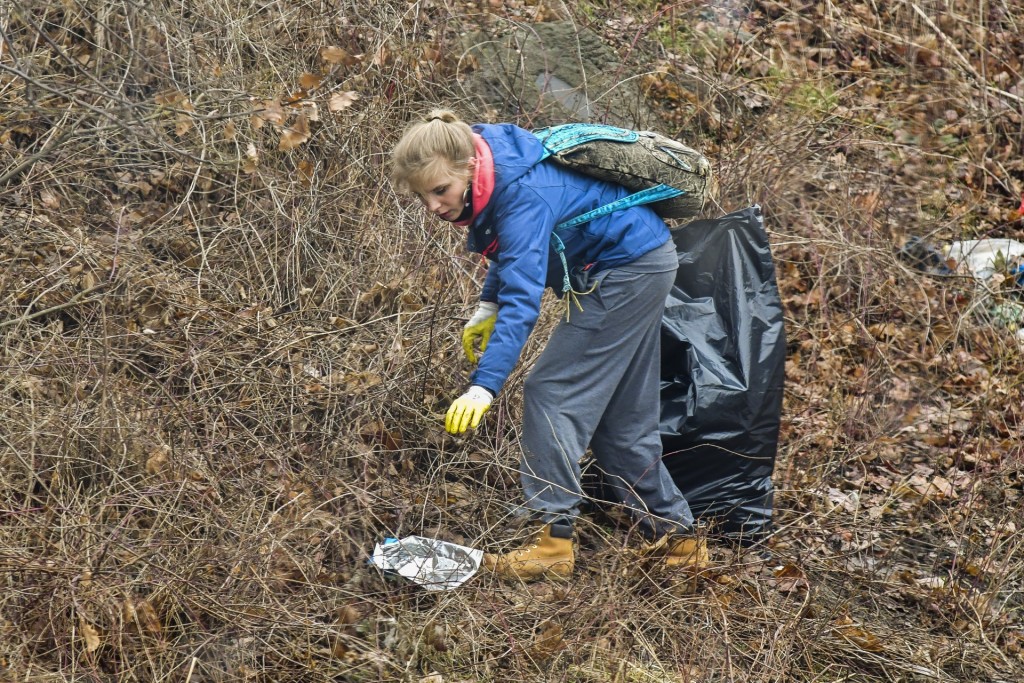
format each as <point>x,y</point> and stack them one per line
<point>686,552</point>
<point>548,554</point>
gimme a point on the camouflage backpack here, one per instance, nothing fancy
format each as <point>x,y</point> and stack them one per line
<point>670,176</point>
<point>673,178</point>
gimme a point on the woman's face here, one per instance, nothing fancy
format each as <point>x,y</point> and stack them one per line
<point>445,197</point>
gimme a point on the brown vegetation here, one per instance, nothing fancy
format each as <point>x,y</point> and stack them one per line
<point>227,343</point>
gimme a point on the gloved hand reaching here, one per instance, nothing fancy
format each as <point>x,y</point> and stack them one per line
<point>480,326</point>
<point>467,410</point>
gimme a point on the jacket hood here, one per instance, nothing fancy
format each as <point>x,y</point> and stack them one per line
<point>483,179</point>
<point>515,151</point>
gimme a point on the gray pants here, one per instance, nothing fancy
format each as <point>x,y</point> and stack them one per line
<point>597,383</point>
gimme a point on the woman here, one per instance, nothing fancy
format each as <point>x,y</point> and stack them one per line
<point>597,382</point>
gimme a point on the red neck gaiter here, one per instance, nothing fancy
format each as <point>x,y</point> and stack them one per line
<point>483,178</point>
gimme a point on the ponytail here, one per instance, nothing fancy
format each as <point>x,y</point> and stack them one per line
<point>440,145</point>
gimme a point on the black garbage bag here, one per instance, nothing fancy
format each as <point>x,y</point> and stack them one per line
<point>723,360</point>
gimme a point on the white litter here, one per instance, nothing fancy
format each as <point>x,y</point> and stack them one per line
<point>436,565</point>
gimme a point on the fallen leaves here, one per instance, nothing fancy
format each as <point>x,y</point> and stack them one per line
<point>294,135</point>
<point>342,100</point>
<point>49,199</point>
<point>337,56</point>
<point>269,111</point>
<point>376,433</point>
<point>180,103</point>
<point>142,613</point>
<point>158,460</point>
<point>549,641</point>
<point>790,579</point>
<point>90,635</point>
<point>924,485</point>
<point>857,634</point>
<point>293,115</point>
<point>310,81</point>
<point>213,396</point>
<point>252,158</point>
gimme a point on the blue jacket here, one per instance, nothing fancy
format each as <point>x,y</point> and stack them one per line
<point>514,231</point>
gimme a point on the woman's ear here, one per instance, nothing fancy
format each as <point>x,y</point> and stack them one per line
<point>472,164</point>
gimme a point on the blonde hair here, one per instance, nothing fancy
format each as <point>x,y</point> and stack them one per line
<point>439,146</point>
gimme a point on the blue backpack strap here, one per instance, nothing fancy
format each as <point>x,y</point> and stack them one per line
<point>648,196</point>
<point>557,139</point>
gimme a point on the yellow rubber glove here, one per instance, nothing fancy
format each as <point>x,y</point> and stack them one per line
<point>480,326</point>
<point>467,410</point>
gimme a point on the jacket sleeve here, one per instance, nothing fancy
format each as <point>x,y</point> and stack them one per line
<point>523,223</point>
<point>489,292</point>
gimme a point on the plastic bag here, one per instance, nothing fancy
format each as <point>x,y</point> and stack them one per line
<point>984,258</point>
<point>435,565</point>
<point>998,266</point>
<point>722,370</point>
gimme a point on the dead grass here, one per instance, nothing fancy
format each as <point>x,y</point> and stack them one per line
<point>224,364</point>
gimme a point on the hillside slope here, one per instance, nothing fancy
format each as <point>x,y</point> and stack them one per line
<point>227,345</point>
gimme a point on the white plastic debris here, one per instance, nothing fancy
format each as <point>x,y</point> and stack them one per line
<point>980,256</point>
<point>985,259</point>
<point>435,565</point>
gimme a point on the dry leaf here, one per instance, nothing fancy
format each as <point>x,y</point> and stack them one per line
<point>942,487</point>
<point>347,614</point>
<point>182,126</point>
<point>549,641</point>
<point>453,493</point>
<point>296,99</point>
<point>169,97</point>
<point>141,612</point>
<point>339,323</point>
<point>88,281</point>
<point>339,649</point>
<point>295,135</point>
<point>305,169</point>
<point>861,64</point>
<point>229,131</point>
<point>545,13</point>
<point>790,579</point>
<point>935,583</point>
<point>382,57</point>
<point>884,330</point>
<point>311,111</point>
<point>357,382</point>
<point>89,634</point>
<point>342,100</point>
<point>847,500</point>
<point>49,199</point>
<point>270,112</point>
<point>857,635</point>
<point>310,81</point>
<point>157,460</point>
<point>919,486</point>
<point>375,433</point>
<point>183,121</point>
<point>334,55</point>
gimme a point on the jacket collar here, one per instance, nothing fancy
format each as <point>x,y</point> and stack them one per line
<point>483,178</point>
